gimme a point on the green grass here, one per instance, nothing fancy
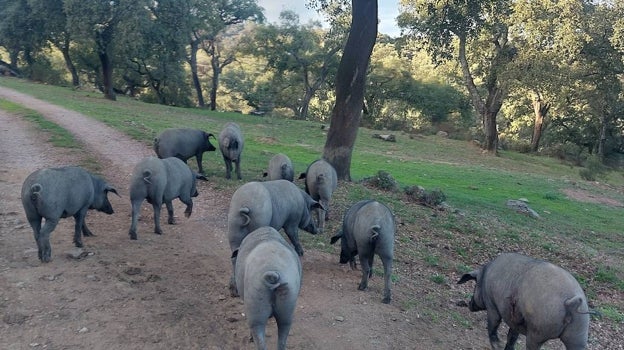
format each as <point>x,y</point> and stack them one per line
<point>57,136</point>
<point>476,185</point>
<point>612,313</point>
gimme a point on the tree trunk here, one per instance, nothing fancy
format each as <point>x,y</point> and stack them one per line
<point>194,76</point>
<point>107,75</point>
<point>488,109</point>
<point>13,58</point>
<point>70,65</point>
<point>540,110</point>
<point>216,72</point>
<point>604,126</point>
<point>350,84</point>
<point>311,89</point>
<point>493,104</point>
<point>305,104</point>
<point>491,131</point>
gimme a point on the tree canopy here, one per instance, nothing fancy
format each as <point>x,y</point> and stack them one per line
<point>536,76</point>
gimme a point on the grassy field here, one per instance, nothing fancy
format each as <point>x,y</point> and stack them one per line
<point>583,236</point>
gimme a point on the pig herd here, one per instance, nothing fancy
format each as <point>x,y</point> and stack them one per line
<point>533,297</point>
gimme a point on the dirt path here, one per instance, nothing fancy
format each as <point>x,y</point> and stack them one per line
<point>169,291</point>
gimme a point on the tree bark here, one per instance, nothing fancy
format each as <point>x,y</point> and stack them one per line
<point>488,109</point>
<point>305,103</point>
<point>216,72</point>
<point>107,75</point>
<point>70,64</point>
<point>604,126</point>
<point>350,84</point>
<point>540,109</point>
<point>194,75</point>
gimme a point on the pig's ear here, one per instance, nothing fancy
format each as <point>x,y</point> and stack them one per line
<point>318,205</point>
<point>112,189</point>
<point>468,276</point>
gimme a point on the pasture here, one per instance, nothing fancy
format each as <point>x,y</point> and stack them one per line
<point>579,228</point>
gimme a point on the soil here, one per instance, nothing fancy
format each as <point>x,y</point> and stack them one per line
<point>587,197</point>
<point>170,291</point>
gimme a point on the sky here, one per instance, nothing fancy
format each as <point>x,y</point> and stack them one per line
<point>388,11</point>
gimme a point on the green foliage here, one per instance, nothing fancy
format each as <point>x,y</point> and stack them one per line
<point>41,70</point>
<point>301,57</point>
<point>383,181</point>
<point>551,196</point>
<point>432,260</point>
<point>399,97</point>
<point>612,313</point>
<point>290,67</point>
<point>438,279</point>
<point>419,195</point>
<point>593,169</point>
<point>609,275</point>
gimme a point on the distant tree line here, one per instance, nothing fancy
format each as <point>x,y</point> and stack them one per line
<point>531,76</point>
<point>539,73</point>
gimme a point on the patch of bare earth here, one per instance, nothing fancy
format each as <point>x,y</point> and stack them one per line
<point>588,197</point>
<point>170,291</point>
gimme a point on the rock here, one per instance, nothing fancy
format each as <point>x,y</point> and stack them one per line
<point>93,278</point>
<point>339,318</point>
<point>522,207</point>
<point>389,138</point>
<point>442,133</point>
<point>77,253</point>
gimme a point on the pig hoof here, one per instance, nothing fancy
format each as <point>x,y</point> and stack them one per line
<point>362,287</point>
<point>45,257</point>
<point>78,244</point>
<point>386,300</point>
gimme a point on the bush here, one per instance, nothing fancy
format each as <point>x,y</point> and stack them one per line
<point>567,152</point>
<point>421,196</point>
<point>383,181</point>
<point>42,71</point>
<point>587,174</point>
<point>593,169</point>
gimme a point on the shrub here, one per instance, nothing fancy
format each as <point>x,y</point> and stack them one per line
<point>421,196</point>
<point>593,169</point>
<point>383,181</point>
